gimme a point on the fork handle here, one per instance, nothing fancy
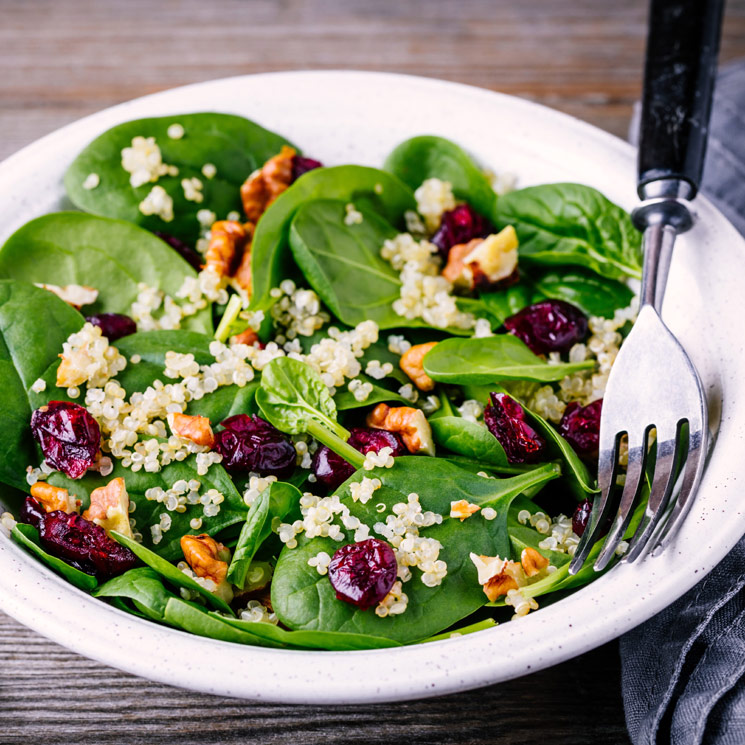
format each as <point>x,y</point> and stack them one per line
<point>679,75</point>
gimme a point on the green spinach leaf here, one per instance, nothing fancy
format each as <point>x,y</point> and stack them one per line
<point>28,537</point>
<point>487,623</point>
<point>111,255</point>
<point>366,188</point>
<point>427,156</point>
<point>505,303</point>
<point>575,225</point>
<point>500,357</point>
<point>142,586</point>
<point>234,145</point>
<point>470,439</point>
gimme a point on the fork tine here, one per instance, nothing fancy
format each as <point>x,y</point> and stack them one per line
<point>693,468</point>
<point>631,490</point>
<point>602,505</point>
<point>671,451</point>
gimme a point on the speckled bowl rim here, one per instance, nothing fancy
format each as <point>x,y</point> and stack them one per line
<point>380,109</point>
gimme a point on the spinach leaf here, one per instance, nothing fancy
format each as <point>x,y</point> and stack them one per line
<point>427,156</point>
<point>197,620</point>
<point>343,264</point>
<point>304,600</point>
<point>572,224</point>
<point>470,439</point>
<point>333,640</point>
<point>169,572</point>
<point>147,511</point>
<point>111,255</point>
<point>142,586</point>
<point>505,303</point>
<point>294,399</point>
<point>487,623</point>
<point>366,188</point>
<point>236,146</point>
<point>594,294</point>
<point>34,323</point>
<point>274,503</point>
<point>500,357</point>
<point>28,537</point>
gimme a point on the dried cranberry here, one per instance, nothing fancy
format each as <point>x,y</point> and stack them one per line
<point>460,225</point>
<point>113,325</point>
<point>301,165</point>
<point>580,427</point>
<point>84,544</point>
<point>182,249</point>
<point>332,470</point>
<point>581,516</point>
<point>505,419</point>
<point>32,513</point>
<point>69,436</point>
<point>250,443</point>
<point>548,326</point>
<point>363,573</point>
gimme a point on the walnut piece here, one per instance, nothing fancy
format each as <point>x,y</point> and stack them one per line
<point>206,557</point>
<point>194,428</point>
<point>484,263</point>
<point>249,337</point>
<point>411,363</point>
<point>498,576</point>
<point>463,509</point>
<point>227,243</point>
<point>406,421</point>
<point>54,498</point>
<point>109,507</point>
<point>264,185</point>
<point>533,563</point>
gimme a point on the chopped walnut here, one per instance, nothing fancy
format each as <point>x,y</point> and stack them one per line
<point>484,263</point>
<point>463,509</point>
<point>533,562</point>
<point>264,185</point>
<point>408,422</point>
<point>411,363</point>
<point>54,498</point>
<point>194,428</point>
<point>206,557</point>
<point>75,295</point>
<point>454,270</point>
<point>249,337</point>
<point>109,507</point>
<point>243,272</point>
<point>227,243</point>
<point>498,576</point>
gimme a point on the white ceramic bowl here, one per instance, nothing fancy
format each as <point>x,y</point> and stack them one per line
<point>354,117</point>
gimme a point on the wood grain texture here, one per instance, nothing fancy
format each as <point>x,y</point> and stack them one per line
<point>63,59</point>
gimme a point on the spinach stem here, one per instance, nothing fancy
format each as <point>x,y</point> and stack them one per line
<point>336,443</point>
<point>232,309</point>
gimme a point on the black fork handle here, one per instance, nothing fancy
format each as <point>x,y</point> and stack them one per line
<point>679,75</point>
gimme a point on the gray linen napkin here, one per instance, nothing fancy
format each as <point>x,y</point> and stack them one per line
<point>683,671</point>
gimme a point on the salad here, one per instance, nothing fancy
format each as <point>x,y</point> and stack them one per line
<point>278,403</point>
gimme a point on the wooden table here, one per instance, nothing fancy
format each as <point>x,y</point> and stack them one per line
<point>62,59</point>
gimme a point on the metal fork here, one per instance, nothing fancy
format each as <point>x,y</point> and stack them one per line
<point>653,384</point>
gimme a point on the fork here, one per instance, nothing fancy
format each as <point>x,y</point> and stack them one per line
<point>653,385</point>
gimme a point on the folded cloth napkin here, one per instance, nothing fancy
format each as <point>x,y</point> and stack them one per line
<point>684,670</point>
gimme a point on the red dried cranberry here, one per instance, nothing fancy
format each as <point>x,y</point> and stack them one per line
<point>250,443</point>
<point>301,165</point>
<point>185,252</point>
<point>548,326</point>
<point>505,419</point>
<point>113,325</point>
<point>32,513</point>
<point>69,436</point>
<point>580,427</point>
<point>79,541</point>
<point>363,573</point>
<point>460,225</point>
<point>332,470</point>
<point>581,516</point>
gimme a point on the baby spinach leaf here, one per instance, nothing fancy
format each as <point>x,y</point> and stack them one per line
<point>34,323</point>
<point>343,264</point>
<point>304,600</point>
<point>572,224</point>
<point>274,503</point>
<point>142,586</point>
<point>332,640</point>
<point>366,188</point>
<point>594,294</point>
<point>469,439</point>
<point>505,303</point>
<point>169,572</point>
<point>427,156</point>
<point>28,537</point>
<point>197,620</point>
<point>487,623</point>
<point>234,145</point>
<point>111,255</point>
<point>500,357</point>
